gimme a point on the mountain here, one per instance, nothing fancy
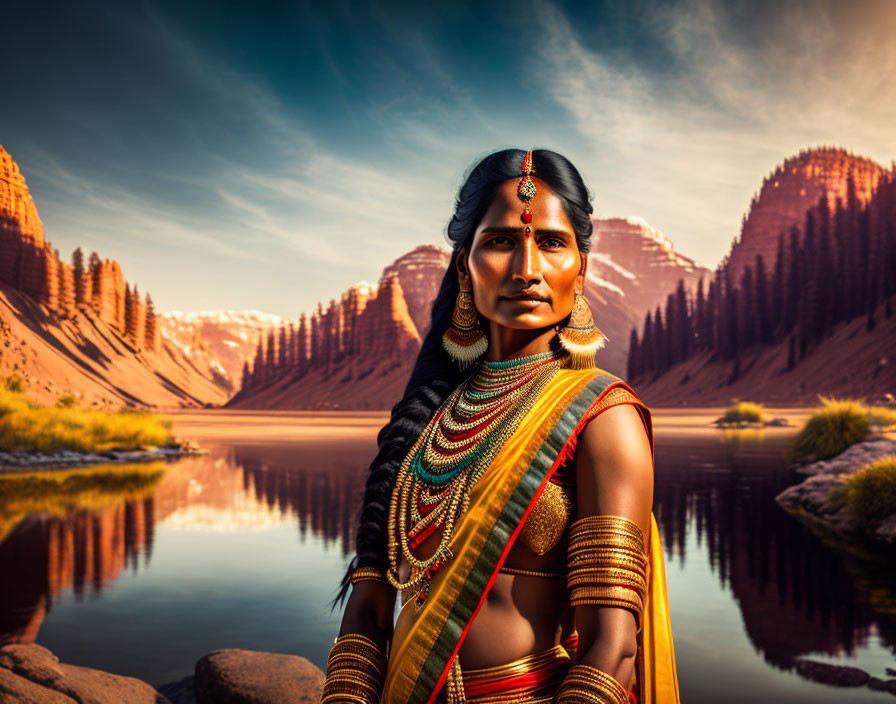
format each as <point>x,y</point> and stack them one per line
<point>818,321</point>
<point>790,190</point>
<point>358,352</point>
<point>80,328</point>
<point>632,267</point>
<point>221,339</point>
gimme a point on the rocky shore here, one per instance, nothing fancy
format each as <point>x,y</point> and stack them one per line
<point>808,500</point>
<point>65,459</point>
<point>31,674</point>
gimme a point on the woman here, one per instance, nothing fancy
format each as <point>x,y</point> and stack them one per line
<point>510,501</point>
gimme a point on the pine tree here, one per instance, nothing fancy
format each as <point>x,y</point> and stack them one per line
<point>760,293</point>
<point>150,324</point>
<point>270,363</point>
<point>78,274</point>
<point>685,331</point>
<point>130,320</point>
<point>777,293</point>
<point>701,317</point>
<point>281,351</point>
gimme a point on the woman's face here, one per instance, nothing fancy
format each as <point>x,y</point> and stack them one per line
<point>520,280</point>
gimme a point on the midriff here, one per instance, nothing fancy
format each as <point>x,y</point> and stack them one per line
<point>520,615</point>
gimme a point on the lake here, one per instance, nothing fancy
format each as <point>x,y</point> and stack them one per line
<point>243,548</point>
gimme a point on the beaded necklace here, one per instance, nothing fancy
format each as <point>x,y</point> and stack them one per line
<point>432,487</point>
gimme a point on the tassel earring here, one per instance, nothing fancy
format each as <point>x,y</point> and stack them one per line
<point>581,337</point>
<point>464,340</point>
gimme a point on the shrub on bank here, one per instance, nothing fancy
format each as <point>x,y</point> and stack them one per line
<point>831,429</point>
<point>870,493</point>
<point>27,427</point>
<point>743,412</point>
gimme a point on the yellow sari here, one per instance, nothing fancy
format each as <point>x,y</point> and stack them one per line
<point>499,504</point>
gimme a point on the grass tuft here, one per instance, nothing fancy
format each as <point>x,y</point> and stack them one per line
<point>870,493</point>
<point>831,429</point>
<point>743,412</point>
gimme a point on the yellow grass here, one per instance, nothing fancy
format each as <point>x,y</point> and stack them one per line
<point>831,429</point>
<point>743,412</point>
<point>870,493</point>
<point>61,492</point>
<point>27,427</point>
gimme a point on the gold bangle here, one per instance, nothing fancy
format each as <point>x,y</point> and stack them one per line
<point>592,684</point>
<point>600,545</point>
<point>607,556</point>
<point>604,542</point>
<point>605,520</point>
<point>368,574</point>
<point>587,582</point>
<point>605,572</point>
<point>356,669</point>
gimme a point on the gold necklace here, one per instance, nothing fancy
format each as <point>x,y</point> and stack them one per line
<point>433,483</point>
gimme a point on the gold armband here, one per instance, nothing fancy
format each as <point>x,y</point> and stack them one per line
<point>356,670</point>
<point>607,564</point>
<point>368,574</point>
<point>584,683</point>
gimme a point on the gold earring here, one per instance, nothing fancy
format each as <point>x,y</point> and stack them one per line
<point>581,337</point>
<point>464,340</point>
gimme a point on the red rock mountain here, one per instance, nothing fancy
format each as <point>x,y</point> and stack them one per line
<point>356,354</point>
<point>789,191</point>
<point>80,328</point>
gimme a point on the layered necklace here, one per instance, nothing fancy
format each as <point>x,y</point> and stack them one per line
<point>432,488</point>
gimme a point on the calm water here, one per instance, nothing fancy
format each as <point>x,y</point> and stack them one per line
<point>242,548</point>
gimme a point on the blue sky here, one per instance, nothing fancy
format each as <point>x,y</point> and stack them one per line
<point>263,155</point>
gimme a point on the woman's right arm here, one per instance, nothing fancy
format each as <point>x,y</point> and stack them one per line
<point>369,611</point>
<point>357,663</point>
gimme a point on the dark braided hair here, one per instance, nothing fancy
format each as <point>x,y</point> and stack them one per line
<point>435,374</point>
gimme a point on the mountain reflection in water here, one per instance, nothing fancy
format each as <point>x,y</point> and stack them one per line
<point>728,546</point>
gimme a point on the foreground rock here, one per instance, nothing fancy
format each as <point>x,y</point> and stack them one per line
<point>234,676</point>
<point>809,499</point>
<point>31,674</point>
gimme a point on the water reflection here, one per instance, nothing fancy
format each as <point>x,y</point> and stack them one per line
<point>714,501</point>
<point>796,594</point>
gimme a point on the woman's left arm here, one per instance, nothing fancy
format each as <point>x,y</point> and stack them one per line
<point>614,475</point>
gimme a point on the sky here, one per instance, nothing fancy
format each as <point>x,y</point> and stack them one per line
<point>240,155</point>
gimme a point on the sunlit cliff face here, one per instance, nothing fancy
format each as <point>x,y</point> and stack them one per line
<point>520,279</point>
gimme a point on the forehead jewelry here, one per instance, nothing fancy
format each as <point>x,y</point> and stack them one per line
<point>526,191</point>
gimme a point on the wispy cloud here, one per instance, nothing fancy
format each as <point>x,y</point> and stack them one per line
<point>686,146</point>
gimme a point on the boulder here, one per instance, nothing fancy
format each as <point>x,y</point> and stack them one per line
<point>234,676</point>
<point>31,674</point>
